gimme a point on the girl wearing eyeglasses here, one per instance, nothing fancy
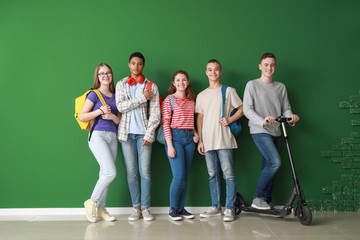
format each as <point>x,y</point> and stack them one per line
<point>103,141</point>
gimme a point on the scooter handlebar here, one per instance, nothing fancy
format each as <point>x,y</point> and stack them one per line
<point>282,119</point>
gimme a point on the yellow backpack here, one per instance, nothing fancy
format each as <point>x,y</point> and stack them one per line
<point>79,103</point>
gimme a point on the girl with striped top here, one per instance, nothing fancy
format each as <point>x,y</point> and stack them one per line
<point>180,136</point>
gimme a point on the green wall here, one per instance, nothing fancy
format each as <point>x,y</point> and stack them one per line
<point>49,50</point>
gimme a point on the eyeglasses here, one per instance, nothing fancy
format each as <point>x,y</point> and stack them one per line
<point>103,74</point>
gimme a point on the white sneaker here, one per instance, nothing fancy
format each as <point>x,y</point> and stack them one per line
<point>147,215</point>
<point>136,215</point>
<point>229,215</point>
<point>213,211</point>
<point>91,210</point>
<point>105,215</point>
<point>260,203</point>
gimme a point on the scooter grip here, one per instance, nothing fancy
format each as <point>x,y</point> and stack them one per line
<point>282,119</point>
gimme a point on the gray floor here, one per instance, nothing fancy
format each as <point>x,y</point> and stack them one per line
<point>325,225</point>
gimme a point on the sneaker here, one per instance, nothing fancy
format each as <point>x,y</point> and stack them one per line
<point>260,203</point>
<point>229,215</point>
<point>136,215</point>
<point>175,215</point>
<point>104,215</point>
<point>213,211</point>
<point>186,214</point>
<point>147,215</point>
<point>91,210</point>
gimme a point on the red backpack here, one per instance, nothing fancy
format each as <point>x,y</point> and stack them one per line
<point>159,133</point>
<point>148,87</point>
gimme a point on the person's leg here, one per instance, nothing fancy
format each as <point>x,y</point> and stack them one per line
<point>269,151</point>
<point>269,186</point>
<point>189,149</point>
<point>227,166</point>
<point>145,171</point>
<point>130,153</point>
<point>212,163</point>
<point>101,148</point>
<point>145,174</point>
<point>178,171</point>
<point>113,146</point>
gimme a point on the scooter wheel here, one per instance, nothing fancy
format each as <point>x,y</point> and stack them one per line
<point>304,214</point>
<point>237,206</point>
<point>237,211</point>
<point>240,201</point>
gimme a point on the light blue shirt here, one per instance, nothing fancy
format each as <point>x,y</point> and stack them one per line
<point>136,124</point>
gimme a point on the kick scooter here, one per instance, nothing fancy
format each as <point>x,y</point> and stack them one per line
<point>302,211</point>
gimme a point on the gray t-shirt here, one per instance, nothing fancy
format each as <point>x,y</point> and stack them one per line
<point>262,100</point>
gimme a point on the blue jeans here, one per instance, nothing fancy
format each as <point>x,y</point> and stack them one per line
<point>104,146</point>
<point>269,148</point>
<point>184,145</point>
<point>137,157</point>
<point>221,158</point>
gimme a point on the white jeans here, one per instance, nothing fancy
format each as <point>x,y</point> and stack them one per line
<point>104,146</point>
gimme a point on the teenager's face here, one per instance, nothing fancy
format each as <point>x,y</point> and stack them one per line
<point>267,67</point>
<point>180,82</point>
<point>213,71</point>
<point>105,76</point>
<point>136,66</point>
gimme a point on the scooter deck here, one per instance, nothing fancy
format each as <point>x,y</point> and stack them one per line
<point>271,212</point>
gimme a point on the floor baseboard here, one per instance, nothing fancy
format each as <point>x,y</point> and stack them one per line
<point>80,211</point>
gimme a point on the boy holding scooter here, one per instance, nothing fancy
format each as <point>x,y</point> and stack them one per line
<point>265,100</point>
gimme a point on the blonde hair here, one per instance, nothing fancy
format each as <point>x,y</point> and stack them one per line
<point>96,77</point>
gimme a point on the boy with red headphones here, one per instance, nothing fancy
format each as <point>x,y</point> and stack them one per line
<point>140,110</point>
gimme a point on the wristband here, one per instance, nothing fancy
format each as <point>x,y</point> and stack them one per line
<point>102,111</point>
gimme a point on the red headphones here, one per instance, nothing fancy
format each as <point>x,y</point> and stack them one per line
<point>131,81</point>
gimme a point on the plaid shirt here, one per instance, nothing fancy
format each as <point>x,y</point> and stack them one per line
<point>124,104</point>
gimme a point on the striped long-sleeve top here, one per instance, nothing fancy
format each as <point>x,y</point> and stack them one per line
<point>182,116</point>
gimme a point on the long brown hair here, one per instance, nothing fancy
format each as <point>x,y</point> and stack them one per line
<point>189,93</point>
<point>96,77</point>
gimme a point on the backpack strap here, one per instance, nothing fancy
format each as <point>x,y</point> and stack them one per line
<point>172,99</point>
<point>223,93</point>
<point>148,88</point>
<point>100,97</point>
<point>97,118</point>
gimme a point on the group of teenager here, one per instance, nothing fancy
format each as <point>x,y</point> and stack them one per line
<point>132,114</point>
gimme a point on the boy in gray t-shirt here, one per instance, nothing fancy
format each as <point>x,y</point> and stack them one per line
<point>264,101</point>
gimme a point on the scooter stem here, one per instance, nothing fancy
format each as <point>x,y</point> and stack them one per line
<point>296,181</point>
